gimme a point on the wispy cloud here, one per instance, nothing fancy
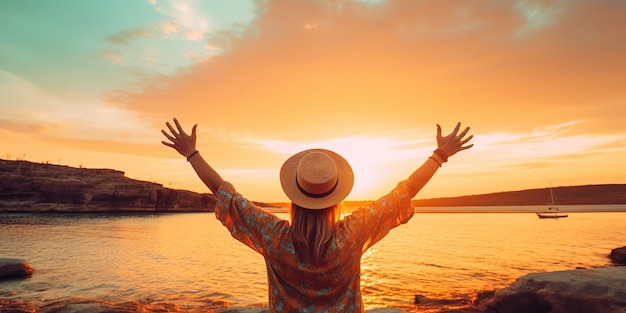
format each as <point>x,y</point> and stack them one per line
<point>28,107</point>
<point>547,145</point>
<point>187,17</point>
<point>169,27</point>
<point>364,150</point>
<point>129,35</point>
<point>537,16</point>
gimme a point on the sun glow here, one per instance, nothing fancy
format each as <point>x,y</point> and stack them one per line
<point>378,162</point>
<point>371,166</point>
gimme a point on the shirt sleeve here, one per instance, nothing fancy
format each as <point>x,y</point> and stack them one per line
<point>245,221</point>
<point>373,223</point>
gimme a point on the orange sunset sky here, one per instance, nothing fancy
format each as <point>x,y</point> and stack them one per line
<point>541,83</point>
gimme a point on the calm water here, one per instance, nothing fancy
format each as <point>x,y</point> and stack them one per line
<point>191,261</point>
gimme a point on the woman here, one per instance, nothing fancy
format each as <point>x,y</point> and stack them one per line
<point>313,264</point>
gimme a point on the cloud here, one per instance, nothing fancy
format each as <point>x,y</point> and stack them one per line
<point>169,27</point>
<point>187,17</point>
<point>400,63</point>
<point>537,16</point>
<point>27,107</point>
<point>399,146</point>
<point>127,36</point>
<point>112,56</point>
<point>25,127</point>
<point>106,146</point>
<point>548,145</point>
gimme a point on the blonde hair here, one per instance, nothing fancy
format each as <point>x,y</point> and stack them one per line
<point>312,231</point>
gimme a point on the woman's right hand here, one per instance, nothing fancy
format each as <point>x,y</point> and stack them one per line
<point>180,141</point>
<point>186,145</point>
<point>453,142</point>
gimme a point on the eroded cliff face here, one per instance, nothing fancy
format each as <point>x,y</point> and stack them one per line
<point>33,187</point>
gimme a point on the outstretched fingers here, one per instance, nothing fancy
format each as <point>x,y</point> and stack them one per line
<point>466,147</point>
<point>462,145</point>
<point>168,144</point>
<point>464,132</point>
<point>466,140</point>
<point>180,128</point>
<point>456,128</point>
<point>169,126</point>
<point>167,135</point>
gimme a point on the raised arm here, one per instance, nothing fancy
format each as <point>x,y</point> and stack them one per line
<point>446,147</point>
<point>186,145</point>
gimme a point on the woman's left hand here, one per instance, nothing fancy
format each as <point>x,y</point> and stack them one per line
<point>182,142</point>
<point>453,142</point>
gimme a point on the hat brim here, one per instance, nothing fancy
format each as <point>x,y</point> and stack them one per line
<point>345,181</point>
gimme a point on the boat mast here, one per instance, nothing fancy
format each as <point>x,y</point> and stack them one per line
<point>552,207</point>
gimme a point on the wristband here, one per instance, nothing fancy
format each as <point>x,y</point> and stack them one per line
<point>191,155</point>
<point>442,154</point>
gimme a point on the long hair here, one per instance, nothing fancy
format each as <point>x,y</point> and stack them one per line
<point>312,231</point>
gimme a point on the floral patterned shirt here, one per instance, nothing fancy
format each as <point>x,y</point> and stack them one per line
<point>333,286</point>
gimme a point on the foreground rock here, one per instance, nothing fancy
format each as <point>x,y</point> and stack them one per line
<point>78,305</point>
<point>14,268</point>
<point>84,305</point>
<point>266,310</point>
<point>618,256</point>
<point>597,290</point>
<point>34,187</point>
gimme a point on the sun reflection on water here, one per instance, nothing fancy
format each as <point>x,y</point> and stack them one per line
<point>193,261</point>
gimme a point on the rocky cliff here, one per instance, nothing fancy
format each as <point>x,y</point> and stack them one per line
<point>34,187</point>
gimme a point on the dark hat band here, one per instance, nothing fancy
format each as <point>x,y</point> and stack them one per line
<point>316,195</point>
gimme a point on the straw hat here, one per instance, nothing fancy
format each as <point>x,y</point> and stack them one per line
<point>316,178</point>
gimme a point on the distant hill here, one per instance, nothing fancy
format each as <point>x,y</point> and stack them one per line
<point>567,195</point>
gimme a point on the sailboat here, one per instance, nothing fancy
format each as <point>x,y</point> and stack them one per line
<point>553,211</point>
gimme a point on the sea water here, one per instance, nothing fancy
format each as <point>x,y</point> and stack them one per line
<point>191,262</point>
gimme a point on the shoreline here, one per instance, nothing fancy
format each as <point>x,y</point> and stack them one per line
<point>79,305</point>
<point>529,293</point>
<point>601,208</point>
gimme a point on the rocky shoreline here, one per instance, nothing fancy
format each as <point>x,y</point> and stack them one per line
<point>588,290</point>
<point>33,187</point>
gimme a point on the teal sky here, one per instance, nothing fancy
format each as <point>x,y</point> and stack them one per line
<point>90,47</point>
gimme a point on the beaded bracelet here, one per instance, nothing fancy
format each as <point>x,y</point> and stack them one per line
<point>442,154</point>
<point>191,155</point>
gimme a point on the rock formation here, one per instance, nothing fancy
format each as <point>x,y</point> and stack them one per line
<point>33,187</point>
<point>14,268</point>
<point>595,290</point>
<point>618,256</point>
